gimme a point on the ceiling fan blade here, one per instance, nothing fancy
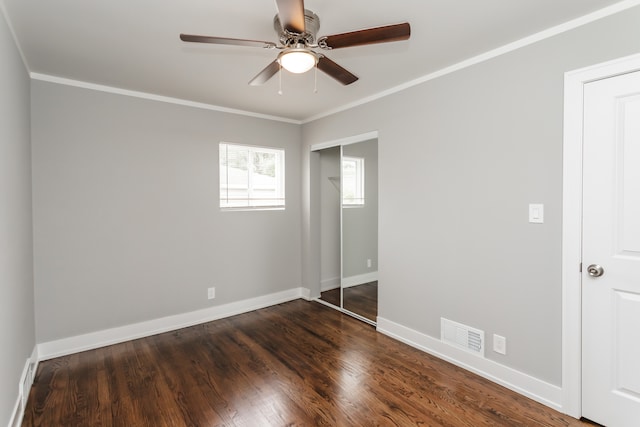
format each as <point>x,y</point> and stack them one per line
<point>387,33</point>
<point>336,71</point>
<point>264,75</point>
<point>227,41</point>
<point>291,15</point>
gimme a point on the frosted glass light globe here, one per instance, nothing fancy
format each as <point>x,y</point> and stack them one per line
<point>297,61</point>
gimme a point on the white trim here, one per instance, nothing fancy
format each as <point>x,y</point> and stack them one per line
<point>305,294</point>
<point>92,340</point>
<point>534,38</point>
<point>159,98</point>
<point>350,281</point>
<point>35,361</point>
<point>3,10</point>
<point>574,82</point>
<point>345,141</point>
<point>16,414</point>
<point>526,41</point>
<point>24,387</point>
<point>534,388</point>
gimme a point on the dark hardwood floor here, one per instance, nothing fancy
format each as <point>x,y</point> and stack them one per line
<point>360,299</point>
<point>295,364</point>
<point>332,296</point>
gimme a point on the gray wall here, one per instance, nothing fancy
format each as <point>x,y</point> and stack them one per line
<point>461,157</point>
<point>360,224</point>
<point>127,226</point>
<point>329,218</point>
<point>17,332</point>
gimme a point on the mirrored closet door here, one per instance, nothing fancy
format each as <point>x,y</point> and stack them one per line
<point>348,224</point>
<point>359,278</point>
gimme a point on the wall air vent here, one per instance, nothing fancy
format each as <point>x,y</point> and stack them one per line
<point>462,336</point>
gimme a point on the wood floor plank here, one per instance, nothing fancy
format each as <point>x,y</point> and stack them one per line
<point>294,364</point>
<point>332,296</point>
<point>360,299</point>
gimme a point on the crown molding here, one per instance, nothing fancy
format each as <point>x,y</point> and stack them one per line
<point>159,98</point>
<point>486,56</point>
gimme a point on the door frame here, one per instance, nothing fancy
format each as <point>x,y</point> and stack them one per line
<point>574,82</point>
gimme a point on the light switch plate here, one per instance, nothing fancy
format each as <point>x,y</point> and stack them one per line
<point>536,213</point>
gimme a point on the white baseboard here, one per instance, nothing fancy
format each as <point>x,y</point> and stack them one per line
<point>359,279</point>
<point>305,294</point>
<point>17,414</point>
<point>328,284</point>
<point>534,388</point>
<point>92,340</point>
<point>24,387</point>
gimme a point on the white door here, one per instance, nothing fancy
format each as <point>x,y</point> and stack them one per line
<point>611,240</point>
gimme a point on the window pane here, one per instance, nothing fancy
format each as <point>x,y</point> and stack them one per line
<point>251,176</point>
<point>265,163</point>
<point>352,181</point>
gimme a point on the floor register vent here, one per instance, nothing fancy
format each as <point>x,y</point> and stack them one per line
<point>462,336</point>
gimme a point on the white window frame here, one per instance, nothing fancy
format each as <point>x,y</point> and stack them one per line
<point>359,196</point>
<point>252,202</point>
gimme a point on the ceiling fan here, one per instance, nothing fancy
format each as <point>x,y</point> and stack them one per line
<point>297,28</point>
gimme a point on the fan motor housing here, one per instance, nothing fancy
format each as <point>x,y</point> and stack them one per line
<point>287,38</point>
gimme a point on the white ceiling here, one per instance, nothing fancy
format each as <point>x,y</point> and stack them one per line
<point>134,45</point>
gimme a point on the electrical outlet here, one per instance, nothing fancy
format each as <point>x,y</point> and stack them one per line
<point>211,293</point>
<point>499,344</point>
<point>368,263</point>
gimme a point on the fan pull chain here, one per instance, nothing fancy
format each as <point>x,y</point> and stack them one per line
<point>280,81</point>
<point>315,79</point>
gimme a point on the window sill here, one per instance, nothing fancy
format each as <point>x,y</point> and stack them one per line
<point>250,209</point>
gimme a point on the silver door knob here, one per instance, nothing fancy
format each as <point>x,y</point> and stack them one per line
<point>595,270</point>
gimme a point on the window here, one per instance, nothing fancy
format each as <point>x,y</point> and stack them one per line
<point>251,177</point>
<point>352,181</point>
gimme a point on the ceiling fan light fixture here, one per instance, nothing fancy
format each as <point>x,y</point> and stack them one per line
<point>298,61</point>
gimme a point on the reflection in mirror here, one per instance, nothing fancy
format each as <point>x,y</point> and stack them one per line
<point>360,229</point>
<point>329,216</point>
